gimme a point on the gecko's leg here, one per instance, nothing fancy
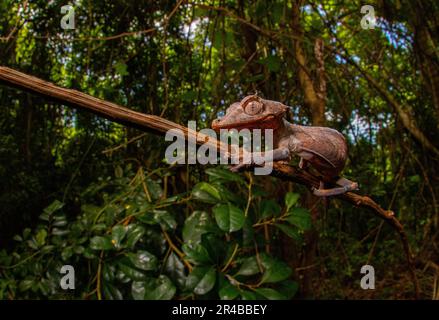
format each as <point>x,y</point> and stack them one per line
<point>346,185</point>
<point>273,155</point>
<point>303,164</point>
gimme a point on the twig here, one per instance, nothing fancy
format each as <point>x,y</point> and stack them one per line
<point>235,250</point>
<point>180,254</point>
<point>140,136</point>
<point>249,198</point>
<point>77,169</point>
<point>98,276</point>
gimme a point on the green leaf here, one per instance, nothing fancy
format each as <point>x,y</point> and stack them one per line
<point>26,233</point>
<point>138,289</point>
<point>117,234</point>
<point>291,232</point>
<point>195,226</point>
<point>206,192</point>
<point>154,188</point>
<point>128,269</point>
<point>111,292</point>
<point>223,174</point>
<point>108,272</point>
<point>153,289</point>
<point>276,271</point>
<point>41,237</point>
<point>48,211</point>
<point>288,288</point>
<point>25,285</point>
<point>67,253</point>
<point>215,246</point>
<point>201,280</point>
<point>248,295</point>
<point>143,260</point>
<point>197,254</point>
<point>118,172</point>
<point>121,68</point>
<point>79,249</point>
<point>134,233</point>
<point>60,232</point>
<point>270,294</point>
<point>249,267</point>
<point>228,291</point>
<point>227,195</point>
<point>175,269</point>
<point>269,208</point>
<point>291,199</point>
<point>47,248</point>
<point>228,217</point>
<point>60,221</point>
<point>101,243</point>
<point>165,219</point>
<point>299,217</point>
<point>415,179</point>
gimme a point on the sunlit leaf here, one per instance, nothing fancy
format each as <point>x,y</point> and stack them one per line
<point>101,243</point>
<point>290,231</point>
<point>299,217</point>
<point>249,267</point>
<point>228,217</point>
<point>206,192</point>
<point>201,280</point>
<point>291,199</point>
<point>160,288</point>
<point>143,260</point>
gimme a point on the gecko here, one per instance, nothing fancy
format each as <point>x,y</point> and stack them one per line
<point>321,149</point>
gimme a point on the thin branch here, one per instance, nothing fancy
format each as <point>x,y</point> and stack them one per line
<point>180,254</point>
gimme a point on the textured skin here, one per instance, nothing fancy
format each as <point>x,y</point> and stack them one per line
<point>327,146</point>
<point>323,148</point>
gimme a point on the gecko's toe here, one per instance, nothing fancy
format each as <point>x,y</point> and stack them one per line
<point>236,168</point>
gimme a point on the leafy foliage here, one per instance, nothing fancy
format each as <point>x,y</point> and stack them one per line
<point>127,244</point>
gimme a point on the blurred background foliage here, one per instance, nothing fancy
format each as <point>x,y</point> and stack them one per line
<point>80,190</point>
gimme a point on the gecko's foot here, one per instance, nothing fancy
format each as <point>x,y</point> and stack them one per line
<point>335,191</point>
<point>239,167</point>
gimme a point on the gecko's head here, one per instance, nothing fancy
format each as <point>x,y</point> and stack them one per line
<point>252,112</point>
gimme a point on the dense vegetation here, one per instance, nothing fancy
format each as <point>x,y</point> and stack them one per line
<point>82,191</point>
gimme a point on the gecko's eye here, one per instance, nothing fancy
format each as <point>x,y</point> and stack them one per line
<point>253,107</point>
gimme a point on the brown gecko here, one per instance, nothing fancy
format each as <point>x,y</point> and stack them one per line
<point>321,148</point>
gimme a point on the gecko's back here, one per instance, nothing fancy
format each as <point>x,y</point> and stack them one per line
<point>324,141</point>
